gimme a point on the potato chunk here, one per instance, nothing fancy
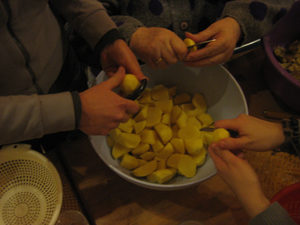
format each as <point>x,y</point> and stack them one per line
<point>129,162</point>
<point>200,158</point>
<point>187,166</point>
<point>189,132</point>
<point>154,116</point>
<point>164,132</point>
<point>182,99</point>
<point>141,149</point>
<point>129,140</point>
<point>162,176</point>
<point>193,146</point>
<point>165,105</point>
<point>173,160</point>
<point>145,170</point>
<point>159,92</point>
<point>139,126</point>
<point>199,102</point>
<point>142,115</point>
<point>149,136</point>
<point>119,150</point>
<point>178,145</point>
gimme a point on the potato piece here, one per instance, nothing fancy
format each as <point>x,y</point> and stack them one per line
<point>189,42</point>
<point>166,119</point>
<point>142,162</point>
<point>129,84</point>
<point>173,160</point>
<point>149,136</point>
<point>142,115</point>
<point>199,102</point>
<point>165,105</point>
<point>178,145</point>
<point>163,175</point>
<point>141,148</point>
<point>161,164</point>
<point>166,152</point>
<point>205,119</point>
<point>128,140</point>
<point>193,121</point>
<point>219,134</point>
<point>193,146</point>
<point>187,166</point>
<point>164,132</point>
<point>200,158</point>
<point>158,146</point>
<point>190,131</point>
<point>148,155</point>
<point>175,130</point>
<point>119,150</point>
<point>129,162</point>
<point>159,92</point>
<point>206,137</point>
<point>145,170</point>
<point>172,91</point>
<point>127,127</point>
<point>182,119</point>
<point>110,142</point>
<point>176,110</point>
<point>194,112</point>
<point>187,107</point>
<point>182,98</point>
<point>145,97</point>
<point>151,178</point>
<point>139,126</point>
<point>114,134</point>
<point>153,116</point>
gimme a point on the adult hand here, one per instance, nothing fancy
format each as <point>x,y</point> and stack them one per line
<point>103,109</point>
<point>152,44</point>
<point>119,54</point>
<point>226,31</point>
<point>241,178</point>
<point>254,134</point>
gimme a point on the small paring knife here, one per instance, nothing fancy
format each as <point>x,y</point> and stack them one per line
<point>211,129</point>
<point>202,43</point>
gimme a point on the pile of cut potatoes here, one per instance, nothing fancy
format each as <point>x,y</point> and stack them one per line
<point>163,139</point>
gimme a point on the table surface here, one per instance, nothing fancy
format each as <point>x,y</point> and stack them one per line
<point>109,199</point>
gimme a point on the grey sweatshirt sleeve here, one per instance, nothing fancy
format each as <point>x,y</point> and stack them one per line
<point>256,18</point>
<point>275,214</point>
<point>35,115</point>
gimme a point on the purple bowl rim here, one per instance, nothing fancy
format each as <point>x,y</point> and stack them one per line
<point>276,64</point>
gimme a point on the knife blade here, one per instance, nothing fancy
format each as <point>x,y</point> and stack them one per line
<point>202,43</point>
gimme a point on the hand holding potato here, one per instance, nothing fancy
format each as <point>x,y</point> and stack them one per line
<point>151,44</point>
<point>103,109</point>
<point>227,33</point>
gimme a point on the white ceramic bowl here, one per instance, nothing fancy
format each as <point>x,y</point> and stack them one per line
<point>225,100</point>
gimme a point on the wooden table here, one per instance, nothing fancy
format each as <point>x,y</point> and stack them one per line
<point>110,200</point>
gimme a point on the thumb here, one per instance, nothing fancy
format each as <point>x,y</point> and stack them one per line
<point>116,79</point>
<point>201,36</point>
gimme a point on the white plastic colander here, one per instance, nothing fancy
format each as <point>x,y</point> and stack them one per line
<point>30,187</point>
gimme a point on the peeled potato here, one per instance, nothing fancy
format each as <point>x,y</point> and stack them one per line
<point>129,140</point>
<point>164,132</point>
<point>187,166</point>
<point>182,99</point>
<point>139,126</point>
<point>162,176</point>
<point>148,155</point>
<point>127,127</point>
<point>153,116</point>
<point>193,146</point>
<point>189,131</point>
<point>174,159</point>
<point>188,42</point>
<point>176,110</point>
<point>205,119</point>
<point>172,91</point>
<point>199,102</point>
<point>200,158</point>
<point>129,162</point>
<point>178,145</point>
<point>119,150</point>
<point>145,170</point>
<point>142,115</point>
<point>140,149</point>
<point>182,119</point>
<point>159,92</point>
<point>149,136</point>
<point>165,105</point>
<point>129,84</point>
<point>219,134</point>
<point>166,152</point>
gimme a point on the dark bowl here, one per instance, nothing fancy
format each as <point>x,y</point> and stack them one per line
<point>280,81</point>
